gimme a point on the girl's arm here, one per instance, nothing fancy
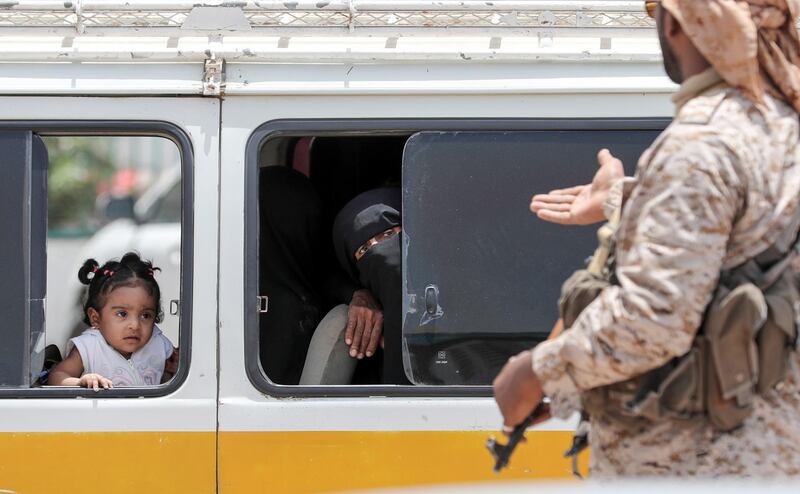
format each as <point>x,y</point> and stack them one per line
<point>170,366</point>
<point>68,373</point>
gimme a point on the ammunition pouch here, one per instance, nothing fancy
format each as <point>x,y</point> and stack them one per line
<point>742,348</point>
<point>577,293</point>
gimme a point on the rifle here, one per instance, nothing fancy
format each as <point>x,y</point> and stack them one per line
<point>502,452</point>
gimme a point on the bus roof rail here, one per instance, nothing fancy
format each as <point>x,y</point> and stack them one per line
<point>293,18</point>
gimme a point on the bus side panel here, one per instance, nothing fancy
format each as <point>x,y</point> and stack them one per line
<point>118,441</point>
<point>328,461</point>
<point>318,443</point>
<point>102,462</point>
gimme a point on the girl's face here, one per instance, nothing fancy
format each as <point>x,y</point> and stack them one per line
<point>127,318</point>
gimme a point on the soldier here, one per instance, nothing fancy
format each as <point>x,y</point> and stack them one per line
<point>714,190</point>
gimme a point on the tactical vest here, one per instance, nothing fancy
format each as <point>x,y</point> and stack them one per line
<point>742,348</point>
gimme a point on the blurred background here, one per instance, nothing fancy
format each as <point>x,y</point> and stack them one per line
<point>107,196</point>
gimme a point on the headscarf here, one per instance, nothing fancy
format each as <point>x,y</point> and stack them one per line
<point>380,268</point>
<point>290,242</point>
<point>752,44</point>
<point>367,215</point>
<point>291,231</point>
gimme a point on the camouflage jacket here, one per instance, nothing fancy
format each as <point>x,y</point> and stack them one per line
<point>715,188</point>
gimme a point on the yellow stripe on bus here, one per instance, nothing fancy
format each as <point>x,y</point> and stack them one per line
<point>274,462</point>
<point>299,462</point>
<point>108,462</point>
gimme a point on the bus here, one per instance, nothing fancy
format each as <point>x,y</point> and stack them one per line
<point>469,107</point>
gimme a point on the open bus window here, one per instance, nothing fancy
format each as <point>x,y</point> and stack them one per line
<point>303,184</point>
<point>480,274</point>
<point>82,197</point>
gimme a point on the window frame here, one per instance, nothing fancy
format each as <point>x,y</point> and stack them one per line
<point>132,128</point>
<point>363,127</point>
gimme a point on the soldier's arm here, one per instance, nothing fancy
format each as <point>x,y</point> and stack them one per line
<point>671,246</point>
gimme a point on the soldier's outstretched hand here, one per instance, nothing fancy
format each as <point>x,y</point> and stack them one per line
<point>581,204</point>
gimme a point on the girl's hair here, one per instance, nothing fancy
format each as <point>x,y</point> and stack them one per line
<point>131,271</point>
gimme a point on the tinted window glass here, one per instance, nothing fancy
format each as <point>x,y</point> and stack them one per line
<point>22,257</point>
<point>482,274</point>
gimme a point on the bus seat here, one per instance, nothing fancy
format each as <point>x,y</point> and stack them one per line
<point>328,360</point>
<point>52,356</point>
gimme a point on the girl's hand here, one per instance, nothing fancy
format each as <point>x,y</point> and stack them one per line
<point>95,381</point>
<point>171,364</point>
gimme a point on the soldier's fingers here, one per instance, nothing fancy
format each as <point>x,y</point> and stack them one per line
<point>559,217</point>
<point>542,417</point>
<point>539,206</point>
<point>573,191</point>
<point>554,198</point>
<point>522,440</point>
<point>604,157</point>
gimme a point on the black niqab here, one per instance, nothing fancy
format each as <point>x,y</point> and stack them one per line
<point>380,268</point>
<point>367,215</point>
<point>290,239</point>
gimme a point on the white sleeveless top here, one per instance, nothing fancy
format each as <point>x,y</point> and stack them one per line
<point>144,368</point>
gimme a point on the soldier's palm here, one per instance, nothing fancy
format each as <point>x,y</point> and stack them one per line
<point>581,204</point>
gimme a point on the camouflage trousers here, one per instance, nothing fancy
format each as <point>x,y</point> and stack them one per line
<point>767,445</point>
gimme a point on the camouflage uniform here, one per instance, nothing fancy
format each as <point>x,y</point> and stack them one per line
<point>715,188</point>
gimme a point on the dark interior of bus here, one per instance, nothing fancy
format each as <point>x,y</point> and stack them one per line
<point>339,168</point>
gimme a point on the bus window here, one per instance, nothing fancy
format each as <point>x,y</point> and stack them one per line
<point>480,274</point>
<point>68,198</point>
<point>107,196</point>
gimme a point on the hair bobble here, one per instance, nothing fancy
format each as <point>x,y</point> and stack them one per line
<point>151,273</point>
<point>108,272</point>
<point>93,273</point>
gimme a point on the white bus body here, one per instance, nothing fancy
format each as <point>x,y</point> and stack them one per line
<point>218,71</point>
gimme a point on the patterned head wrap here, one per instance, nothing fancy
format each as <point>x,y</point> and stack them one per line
<point>752,44</point>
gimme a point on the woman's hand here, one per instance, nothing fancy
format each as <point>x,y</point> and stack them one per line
<point>582,204</point>
<point>364,324</point>
<point>95,381</point>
